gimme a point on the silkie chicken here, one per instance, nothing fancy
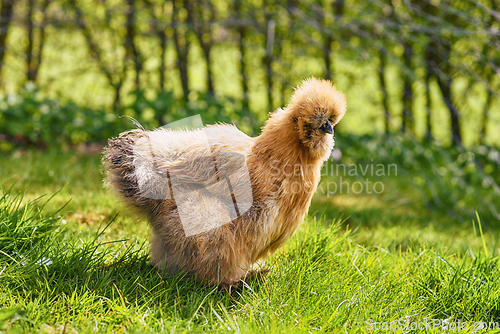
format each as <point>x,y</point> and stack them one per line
<point>220,202</point>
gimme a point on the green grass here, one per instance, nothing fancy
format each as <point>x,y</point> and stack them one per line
<point>356,260</point>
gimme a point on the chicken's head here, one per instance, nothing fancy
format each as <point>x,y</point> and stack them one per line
<point>316,107</point>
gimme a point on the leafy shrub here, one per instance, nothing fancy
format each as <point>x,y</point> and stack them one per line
<point>166,108</point>
<point>30,120</point>
<point>456,180</point>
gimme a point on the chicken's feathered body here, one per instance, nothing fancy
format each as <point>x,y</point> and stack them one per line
<point>271,177</point>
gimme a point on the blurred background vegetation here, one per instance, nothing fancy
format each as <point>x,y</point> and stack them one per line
<point>422,81</point>
<point>70,68</point>
<point>421,78</point>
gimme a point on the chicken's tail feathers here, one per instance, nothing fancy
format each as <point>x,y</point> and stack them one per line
<point>119,168</point>
<point>136,122</point>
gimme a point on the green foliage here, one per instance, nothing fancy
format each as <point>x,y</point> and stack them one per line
<point>28,119</point>
<point>385,56</point>
<point>454,180</point>
<point>166,108</point>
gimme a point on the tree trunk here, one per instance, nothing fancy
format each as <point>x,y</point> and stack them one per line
<point>130,47</point>
<point>181,49</point>
<point>159,29</point>
<point>445,86</point>
<point>490,78</point>
<point>30,46</point>
<point>383,88</point>
<point>33,56</point>
<point>445,79</point>
<point>428,131</point>
<point>241,46</point>
<point>430,57</point>
<point>41,45</point>
<point>408,123</point>
<point>244,79</point>
<point>202,28</point>
<point>163,46</point>
<point>117,101</point>
<point>181,46</point>
<point>6,13</point>
<point>268,60</point>
<point>327,47</point>
<point>210,82</point>
<point>96,53</point>
<point>338,9</point>
<point>486,117</point>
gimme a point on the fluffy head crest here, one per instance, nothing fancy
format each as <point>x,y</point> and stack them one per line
<point>314,96</point>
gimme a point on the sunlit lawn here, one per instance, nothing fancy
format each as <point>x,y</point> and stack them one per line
<point>357,259</point>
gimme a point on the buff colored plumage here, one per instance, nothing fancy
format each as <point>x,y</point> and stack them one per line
<point>283,165</point>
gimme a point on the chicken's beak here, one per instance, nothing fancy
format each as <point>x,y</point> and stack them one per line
<point>327,127</point>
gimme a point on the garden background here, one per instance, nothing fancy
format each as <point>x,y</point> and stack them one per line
<point>422,83</point>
